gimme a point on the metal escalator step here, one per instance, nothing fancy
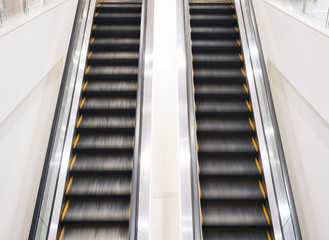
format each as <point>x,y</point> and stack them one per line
<point>108,105</point>
<point>97,211</point>
<point>208,2</point>
<point>118,19</point>
<point>112,123</point>
<point>220,91</point>
<point>116,31</point>
<point>221,108</point>
<point>92,141</point>
<point>110,88</point>
<point>217,60</point>
<point>206,33</point>
<point>232,190</point>
<point>115,44</point>
<point>208,74</point>
<point>227,146</point>
<point>96,232</point>
<point>100,186</point>
<point>235,234</point>
<point>222,214</point>
<point>114,58</point>
<point>224,126</point>
<point>215,46</point>
<point>213,9</point>
<point>122,8</point>
<point>212,20</point>
<point>112,72</point>
<point>97,163</point>
<point>228,166</point>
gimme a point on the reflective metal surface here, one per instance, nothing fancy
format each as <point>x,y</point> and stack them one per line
<point>70,129</point>
<point>283,209</point>
<point>135,177</point>
<point>258,122</point>
<point>184,138</point>
<point>56,150</point>
<point>195,193</point>
<point>143,231</point>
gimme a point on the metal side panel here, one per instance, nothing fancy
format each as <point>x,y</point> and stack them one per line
<point>259,126</point>
<point>138,127</point>
<point>194,175</point>
<point>70,130</point>
<point>143,231</point>
<point>184,137</point>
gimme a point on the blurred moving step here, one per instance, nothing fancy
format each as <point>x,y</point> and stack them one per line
<point>233,195</point>
<point>96,203</point>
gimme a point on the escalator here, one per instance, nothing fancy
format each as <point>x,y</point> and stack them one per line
<point>233,195</point>
<point>97,196</point>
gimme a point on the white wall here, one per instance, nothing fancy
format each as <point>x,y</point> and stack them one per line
<point>32,57</point>
<point>297,61</point>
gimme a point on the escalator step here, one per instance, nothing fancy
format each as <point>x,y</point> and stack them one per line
<point>110,88</point>
<point>122,8</point>
<point>215,46</point>
<point>114,58</point>
<point>234,234</point>
<point>213,189</point>
<point>97,211</point>
<point>112,72</point>
<point>212,33</point>
<point>213,9</point>
<point>220,91</point>
<point>212,20</point>
<point>97,232</point>
<point>118,18</point>
<point>115,44</point>
<point>98,186</point>
<point>228,166</point>
<point>215,74</point>
<point>104,142</point>
<point>98,163</point>
<point>223,126</point>
<point>108,105</point>
<point>216,60</point>
<point>116,31</point>
<point>107,123</point>
<point>231,215</point>
<point>233,146</point>
<point>222,108</point>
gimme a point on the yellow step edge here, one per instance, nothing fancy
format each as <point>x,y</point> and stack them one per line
<point>65,210</point>
<point>251,124</point>
<point>62,233</point>
<point>266,215</point>
<point>258,165</point>
<point>262,188</point>
<point>255,144</point>
<point>69,186</point>
<point>73,161</point>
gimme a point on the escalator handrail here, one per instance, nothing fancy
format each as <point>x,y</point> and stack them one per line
<point>55,124</point>
<point>274,123</point>
<point>136,155</point>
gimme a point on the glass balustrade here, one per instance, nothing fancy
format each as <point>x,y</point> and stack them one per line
<point>11,10</point>
<point>315,10</point>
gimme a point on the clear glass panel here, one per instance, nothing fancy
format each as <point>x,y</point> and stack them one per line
<point>10,8</point>
<point>315,10</point>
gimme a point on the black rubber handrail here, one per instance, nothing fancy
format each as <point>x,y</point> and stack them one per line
<point>54,127</point>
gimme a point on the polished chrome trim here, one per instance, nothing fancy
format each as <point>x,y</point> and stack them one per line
<point>71,127</point>
<point>252,73</point>
<point>196,204</point>
<point>135,174</point>
<point>184,138</point>
<point>145,160</point>
<point>283,192</point>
